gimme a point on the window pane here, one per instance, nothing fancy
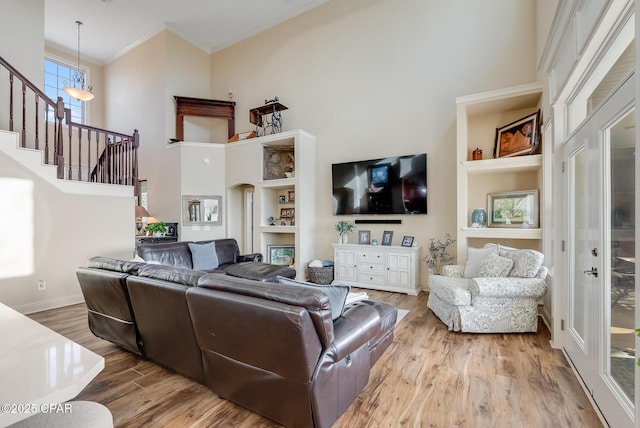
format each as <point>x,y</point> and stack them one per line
<point>56,77</point>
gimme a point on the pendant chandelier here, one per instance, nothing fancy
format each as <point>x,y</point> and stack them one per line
<point>76,88</point>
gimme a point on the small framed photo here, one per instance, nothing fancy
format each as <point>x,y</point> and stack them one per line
<point>364,237</point>
<point>387,237</point>
<point>519,137</point>
<point>282,199</point>
<point>407,241</point>
<point>287,212</point>
<point>292,196</point>
<point>513,209</point>
<point>281,254</point>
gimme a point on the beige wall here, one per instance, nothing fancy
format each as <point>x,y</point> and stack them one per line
<point>141,86</point>
<point>379,78</point>
<point>23,21</point>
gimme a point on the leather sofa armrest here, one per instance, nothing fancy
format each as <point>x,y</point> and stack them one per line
<point>508,287</point>
<point>253,257</point>
<point>357,325</point>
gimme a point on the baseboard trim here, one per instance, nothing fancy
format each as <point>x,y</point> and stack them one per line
<point>45,305</point>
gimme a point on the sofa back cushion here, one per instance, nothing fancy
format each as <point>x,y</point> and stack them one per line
<point>337,293</point>
<point>188,277</point>
<point>169,254</point>
<point>314,301</point>
<point>227,250</point>
<point>116,265</point>
<point>475,256</point>
<point>252,338</point>
<point>526,263</point>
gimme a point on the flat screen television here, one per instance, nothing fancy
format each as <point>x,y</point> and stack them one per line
<point>394,185</point>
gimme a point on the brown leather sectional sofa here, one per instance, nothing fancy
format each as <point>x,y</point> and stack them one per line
<point>270,347</point>
<point>225,252</point>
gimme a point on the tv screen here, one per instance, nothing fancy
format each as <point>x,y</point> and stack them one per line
<point>394,185</point>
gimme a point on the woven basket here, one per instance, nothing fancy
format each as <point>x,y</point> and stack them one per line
<point>321,275</point>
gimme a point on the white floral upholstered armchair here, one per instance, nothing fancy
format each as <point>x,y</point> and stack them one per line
<point>497,291</point>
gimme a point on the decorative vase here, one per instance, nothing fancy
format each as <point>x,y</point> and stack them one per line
<point>479,217</point>
<point>343,239</point>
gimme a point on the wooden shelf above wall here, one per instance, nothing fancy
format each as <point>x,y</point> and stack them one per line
<point>189,106</point>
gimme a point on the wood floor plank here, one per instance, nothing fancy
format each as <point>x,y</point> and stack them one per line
<point>428,377</point>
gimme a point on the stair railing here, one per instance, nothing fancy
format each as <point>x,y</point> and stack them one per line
<point>80,152</point>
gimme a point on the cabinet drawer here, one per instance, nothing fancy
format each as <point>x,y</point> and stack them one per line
<point>372,278</point>
<point>365,267</point>
<point>371,256</point>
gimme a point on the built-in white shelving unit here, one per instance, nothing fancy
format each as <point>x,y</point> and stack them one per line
<point>264,162</point>
<point>478,116</point>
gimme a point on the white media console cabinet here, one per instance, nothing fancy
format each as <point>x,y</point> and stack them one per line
<point>378,267</point>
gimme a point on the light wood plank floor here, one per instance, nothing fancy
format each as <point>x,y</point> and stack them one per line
<point>429,377</point>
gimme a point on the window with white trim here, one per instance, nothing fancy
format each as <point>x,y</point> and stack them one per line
<point>57,75</point>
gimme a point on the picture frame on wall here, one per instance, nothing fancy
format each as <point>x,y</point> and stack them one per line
<point>201,210</point>
<point>520,137</point>
<point>364,237</point>
<point>407,241</point>
<point>514,209</point>
<point>281,254</point>
<point>387,237</point>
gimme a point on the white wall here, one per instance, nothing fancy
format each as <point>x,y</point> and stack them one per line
<point>375,78</point>
<point>60,231</point>
<point>57,232</point>
<point>200,164</point>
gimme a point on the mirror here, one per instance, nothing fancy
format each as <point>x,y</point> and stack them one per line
<point>201,210</point>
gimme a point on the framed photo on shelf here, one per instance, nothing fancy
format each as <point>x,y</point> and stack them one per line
<point>281,254</point>
<point>407,241</point>
<point>513,209</point>
<point>364,237</point>
<point>292,196</point>
<point>287,212</point>
<point>387,237</point>
<point>518,138</point>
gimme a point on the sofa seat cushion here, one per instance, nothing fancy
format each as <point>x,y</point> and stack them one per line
<point>259,271</point>
<point>454,291</point>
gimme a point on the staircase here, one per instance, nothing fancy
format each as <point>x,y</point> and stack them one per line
<point>43,128</point>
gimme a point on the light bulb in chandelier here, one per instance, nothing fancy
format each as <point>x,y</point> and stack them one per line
<point>77,88</point>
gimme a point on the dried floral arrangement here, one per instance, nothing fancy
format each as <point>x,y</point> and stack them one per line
<point>438,254</point>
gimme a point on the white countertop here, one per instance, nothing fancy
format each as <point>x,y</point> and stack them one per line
<point>39,367</point>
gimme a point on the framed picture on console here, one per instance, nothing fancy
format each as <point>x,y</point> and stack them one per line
<point>407,241</point>
<point>387,237</point>
<point>364,237</point>
<point>281,254</point>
